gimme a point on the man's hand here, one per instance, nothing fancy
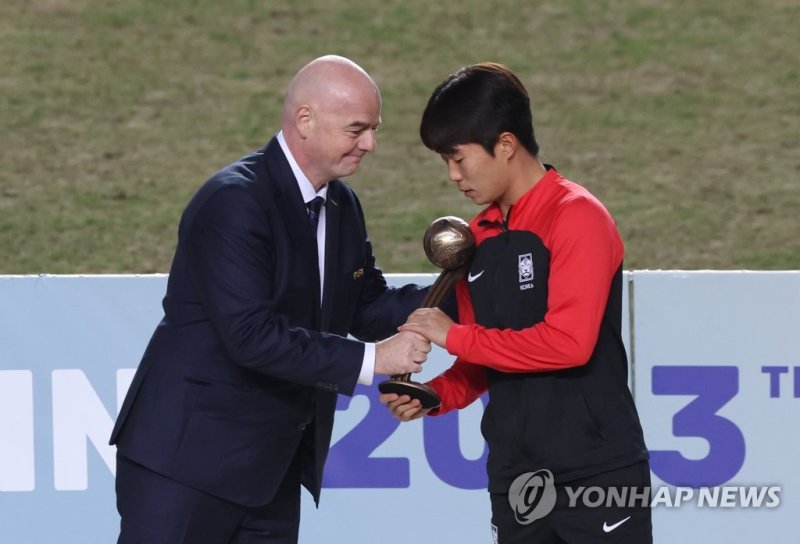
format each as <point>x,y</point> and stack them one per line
<point>432,323</point>
<point>402,353</point>
<point>403,407</point>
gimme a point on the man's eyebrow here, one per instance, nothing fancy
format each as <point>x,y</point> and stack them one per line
<point>361,125</point>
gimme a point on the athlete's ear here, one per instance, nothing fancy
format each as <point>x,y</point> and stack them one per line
<point>507,145</point>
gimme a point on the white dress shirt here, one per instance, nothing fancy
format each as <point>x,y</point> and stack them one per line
<point>367,373</point>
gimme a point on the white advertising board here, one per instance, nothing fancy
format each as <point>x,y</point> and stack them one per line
<point>716,361</point>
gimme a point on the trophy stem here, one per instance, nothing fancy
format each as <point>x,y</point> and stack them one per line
<point>439,290</point>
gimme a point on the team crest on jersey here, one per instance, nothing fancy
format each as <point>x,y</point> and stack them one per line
<point>525,267</point>
<point>525,271</point>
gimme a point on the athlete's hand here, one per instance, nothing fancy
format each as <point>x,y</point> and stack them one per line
<point>403,407</point>
<point>432,323</point>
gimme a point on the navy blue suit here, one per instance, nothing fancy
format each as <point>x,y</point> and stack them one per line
<point>245,362</point>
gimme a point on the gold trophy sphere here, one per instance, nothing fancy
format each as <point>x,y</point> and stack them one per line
<point>448,243</point>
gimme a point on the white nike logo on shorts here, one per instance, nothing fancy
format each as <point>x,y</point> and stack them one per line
<point>471,278</point>
<point>608,528</point>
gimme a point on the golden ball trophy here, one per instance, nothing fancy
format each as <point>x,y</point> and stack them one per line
<point>448,244</point>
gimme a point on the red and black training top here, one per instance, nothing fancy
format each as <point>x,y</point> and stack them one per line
<point>540,315</point>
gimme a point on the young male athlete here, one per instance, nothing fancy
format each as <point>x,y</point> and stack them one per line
<point>539,325</point>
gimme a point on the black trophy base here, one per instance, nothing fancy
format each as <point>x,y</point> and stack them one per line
<point>419,391</point>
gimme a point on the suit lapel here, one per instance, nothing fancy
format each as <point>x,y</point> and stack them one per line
<point>290,207</point>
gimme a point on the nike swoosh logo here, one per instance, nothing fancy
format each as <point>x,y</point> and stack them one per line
<point>471,278</point>
<point>608,528</point>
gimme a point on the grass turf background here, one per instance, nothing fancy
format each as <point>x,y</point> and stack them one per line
<point>682,116</point>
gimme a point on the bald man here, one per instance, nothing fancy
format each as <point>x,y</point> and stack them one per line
<point>231,408</point>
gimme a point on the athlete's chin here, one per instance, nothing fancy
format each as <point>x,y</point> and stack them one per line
<point>476,198</point>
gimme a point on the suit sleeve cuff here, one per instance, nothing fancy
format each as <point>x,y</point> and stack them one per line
<point>367,373</point>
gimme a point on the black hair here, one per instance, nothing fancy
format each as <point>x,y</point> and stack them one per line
<point>476,104</point>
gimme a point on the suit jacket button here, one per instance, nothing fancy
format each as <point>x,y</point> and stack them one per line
<point>301,427</point>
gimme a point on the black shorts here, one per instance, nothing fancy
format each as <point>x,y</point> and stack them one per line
<point>610,507</point>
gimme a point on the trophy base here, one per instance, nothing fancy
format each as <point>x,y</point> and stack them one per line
<point>419,391</point>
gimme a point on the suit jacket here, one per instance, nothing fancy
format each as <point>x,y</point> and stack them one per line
<point>245,365</point>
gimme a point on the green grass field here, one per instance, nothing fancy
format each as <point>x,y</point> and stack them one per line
<point>682,116</point>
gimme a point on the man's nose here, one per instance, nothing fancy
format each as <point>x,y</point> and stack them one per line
<point>368,141</point>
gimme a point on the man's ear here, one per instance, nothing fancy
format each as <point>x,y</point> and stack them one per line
<point>304,121</point>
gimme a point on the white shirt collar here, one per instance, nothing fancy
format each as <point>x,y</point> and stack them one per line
<point>306,188</point>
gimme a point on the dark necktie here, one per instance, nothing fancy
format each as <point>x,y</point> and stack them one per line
<point>313,212</point>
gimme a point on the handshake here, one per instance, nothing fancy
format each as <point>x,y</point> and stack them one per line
<point>405,352</point>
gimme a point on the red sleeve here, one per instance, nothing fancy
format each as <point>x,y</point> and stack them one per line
<point>459,386</point>
<point>586,251</point>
